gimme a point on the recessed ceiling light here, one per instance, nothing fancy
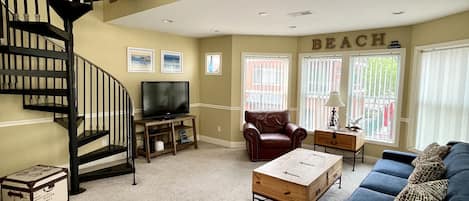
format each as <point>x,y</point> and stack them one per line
<point>398,12</point>
<point>263,14</point>
<point>292,27</point>
<point>216,31</point>
<point>167,21</point>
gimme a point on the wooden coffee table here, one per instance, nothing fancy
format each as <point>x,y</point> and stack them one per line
<point>301,174</point>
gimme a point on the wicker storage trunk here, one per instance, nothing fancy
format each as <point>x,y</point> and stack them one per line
<point>38,183</point>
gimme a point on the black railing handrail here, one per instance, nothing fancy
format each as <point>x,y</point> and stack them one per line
<point>119,128</point>
<point>101,69</point>
<point>11,11</point>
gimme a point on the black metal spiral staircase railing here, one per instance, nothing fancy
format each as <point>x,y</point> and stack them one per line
<point>37,61</point>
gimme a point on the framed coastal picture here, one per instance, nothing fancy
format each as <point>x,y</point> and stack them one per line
<point>140,60</point>
<point>213,63</point>
<point>171,62</point>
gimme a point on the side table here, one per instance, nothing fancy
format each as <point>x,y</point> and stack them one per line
<point>342,139</point>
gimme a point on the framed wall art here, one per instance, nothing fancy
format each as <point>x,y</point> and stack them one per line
<point>140,60</point>
<point>171,62</point>
<point>213,63</point>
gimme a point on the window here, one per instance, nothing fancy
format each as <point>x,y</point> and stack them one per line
<point>213,63</point>
<point>373,94</point>
<point>265,82</point>
<point>443,95</point>
<point>266,76</point>
<point>367,81</point>
<point>319,76</point>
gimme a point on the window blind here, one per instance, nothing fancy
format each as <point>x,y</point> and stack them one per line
<point>265,83</point>
<point>373,94</point>
<point>319,76</point>
<point>443,99</point>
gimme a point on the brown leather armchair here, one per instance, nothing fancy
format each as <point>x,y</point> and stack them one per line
<point>269,134</point>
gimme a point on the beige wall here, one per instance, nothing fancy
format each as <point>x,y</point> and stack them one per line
<point>401,34</point>
<point>258,44</point>
<point>215,89</point>
<point>105,45</point>
<point>449,28</point>
<point>225,90</point>
<point>122,8</point>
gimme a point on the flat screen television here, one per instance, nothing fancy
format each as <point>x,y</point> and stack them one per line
<point>165,100</point>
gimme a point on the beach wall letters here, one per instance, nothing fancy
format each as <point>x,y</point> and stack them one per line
<point>374,39</point>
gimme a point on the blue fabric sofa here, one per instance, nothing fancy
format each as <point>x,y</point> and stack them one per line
<point>389,175</point>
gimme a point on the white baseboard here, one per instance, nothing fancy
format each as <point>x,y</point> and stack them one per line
<point>223,143</point>
<point>368,158</point>
<point>26,122</point>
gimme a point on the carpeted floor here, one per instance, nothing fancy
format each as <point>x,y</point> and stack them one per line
<point>210,173</point>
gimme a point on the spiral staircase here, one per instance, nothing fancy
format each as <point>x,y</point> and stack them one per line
<point>37,62</point>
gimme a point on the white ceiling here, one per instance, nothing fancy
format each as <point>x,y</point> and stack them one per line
<point>200,18</point>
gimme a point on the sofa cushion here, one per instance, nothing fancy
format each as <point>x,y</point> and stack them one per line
<point>393,168</point>
<point>431,191</point>
<point>275,140</point>
<point>457,188</point>
<point>364,194</point>
<point>457,160</point>
<point>431,151</point>
<point>427,171</point>
<point>384,183</point>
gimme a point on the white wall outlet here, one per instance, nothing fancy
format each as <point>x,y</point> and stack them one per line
<point>219,129</point>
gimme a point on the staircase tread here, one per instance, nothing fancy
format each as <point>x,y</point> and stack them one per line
<point>34,73</point>
<point>116,170</point>
<point>50,92</point>
<point>70,9</point>
<point>63,121</point>
<point>48,107</point>
<point>41,28</point>
<point>91,135</point>
<point>101,153</point>
<point>34,52</point>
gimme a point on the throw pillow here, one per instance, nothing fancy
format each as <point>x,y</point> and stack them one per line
<point>430,151</point>
<point>428,191</point>
<point>428,171</point>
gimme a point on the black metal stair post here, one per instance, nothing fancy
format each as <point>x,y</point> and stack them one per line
<point>72,111</point>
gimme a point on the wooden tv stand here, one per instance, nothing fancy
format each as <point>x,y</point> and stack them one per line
<point>159,128</point>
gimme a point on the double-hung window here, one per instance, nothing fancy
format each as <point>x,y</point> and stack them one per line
<point>319,76</point>
<point>367,81</point>
<point>442,98</point>
<point>265,82</point>
<point>373,94</point>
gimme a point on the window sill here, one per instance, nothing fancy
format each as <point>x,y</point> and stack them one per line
<point>389,144</point>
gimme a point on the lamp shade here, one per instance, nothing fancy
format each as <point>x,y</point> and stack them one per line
<point>334,100</point>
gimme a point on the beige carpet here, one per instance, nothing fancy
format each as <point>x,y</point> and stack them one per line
<point>210,173</point>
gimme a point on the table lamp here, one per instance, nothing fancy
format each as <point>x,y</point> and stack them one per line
<point>334,101</point>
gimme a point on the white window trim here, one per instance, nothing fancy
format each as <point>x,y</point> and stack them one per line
<point>221,63</point>
<point>344,83</point>
<point>415,81</point>
<point>243,62</point>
